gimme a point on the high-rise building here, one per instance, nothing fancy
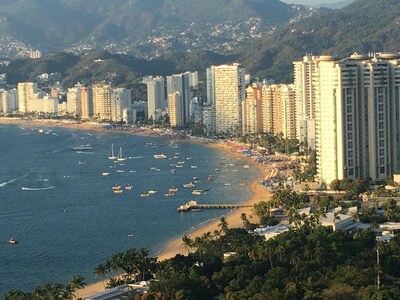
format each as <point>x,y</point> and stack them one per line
<point>101,95</point>
<point>120,101</point>
<point>229,94</point>
<point>252,110</point>
<point>305,98</point>
<point>156,101</point>
<point>209,120</point>
<point>210,90</point>
<point>26,93</point>
<point>87,102</point>
<point>358,117</point>
<point>182,83</point>
<point>8,101</point>
<point>74,101</point>
<point>176,109</point>
<point>287,100</point>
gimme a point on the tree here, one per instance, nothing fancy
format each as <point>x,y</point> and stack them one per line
<point>223,224</point>
<point>187,242</point>
<point>76,282</point>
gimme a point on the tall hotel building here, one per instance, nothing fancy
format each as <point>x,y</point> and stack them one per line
<point>101,93</point>
<point>87,102</point>
<point>305,98</point>
<point>120,101</point>
<point>358,117</point>
<point>229,86</point>
<point>278,110</point>
<point>181,83</point>
<point>26,94</point>
<point>176,109</point>
<point>252,110</point>
<point>156,101</point>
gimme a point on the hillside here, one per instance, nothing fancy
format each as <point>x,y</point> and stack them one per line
<point>363,26</point>
<point>146,28</point>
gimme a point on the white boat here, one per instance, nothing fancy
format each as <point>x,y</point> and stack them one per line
<point>111,155</point>
<point>130,235</point>
<point>12,241</point>
<point>194,167</point>
<point>86,147</point>
<point>197,192</point>
<point>152,192</point>
<point>160,156</point>
<point>116,187</point>
<point>188,185</point>
<point>128,187</point>
<point>105,173</point>
<point>118,191</point>
<point>144,195</point>
<point>173,190</point>
<point>120,157</point>
<point>120,171</point>
<point>169,194</point>
<point>246,166</point>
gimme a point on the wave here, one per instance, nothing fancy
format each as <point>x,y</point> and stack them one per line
<point>84,152</point>
<point>37,189</point>
<point>135,157</point>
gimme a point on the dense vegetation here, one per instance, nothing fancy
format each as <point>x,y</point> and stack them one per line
<point>311,262</point>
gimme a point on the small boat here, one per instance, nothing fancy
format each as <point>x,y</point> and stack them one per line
<point>173,190</point>
<point>105,173</point>
<point>120,157</point>
<point>152,192</point>
<point>129,187</point>
<point>111,155</point>
<point>12,241</point>
<point>169,194</point>
<point>197,192</point>
<point>160,156</point>
<point>227,184</point>
<point>246,166</point>
<point>130,235</point>
<point>144,195</point>
<point>86,147</point>
<point>188,185</point>
<point>120,171</point>
<point>194,167</point>
<point>118,191</point>
<point>116,187</point>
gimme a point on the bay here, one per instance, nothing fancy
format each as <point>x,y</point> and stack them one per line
<point>67,219</point>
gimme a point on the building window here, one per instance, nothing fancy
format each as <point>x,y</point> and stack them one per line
<point>349,109</point>
<point>381,161</point>
<point>380,125</point>
<point>381,143</point>
<point>349,118</point>
<point>382,170</point>
<point>349,127</point>
<point>350,136</point>
<point>351,163</point>
<point>380,116</point>
<point>350,145</point>
<point>381,152</point>
<point>380,107</point>
<point>351,172</point>
<point>381,135</point>
<point>350,154</point>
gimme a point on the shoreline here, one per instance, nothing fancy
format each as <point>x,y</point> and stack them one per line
<point>175,246</point>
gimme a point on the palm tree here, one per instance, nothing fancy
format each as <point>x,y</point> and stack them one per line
<point>223,224</point>
<point>76,282</point>
<point>101,272</point>
<point>14,295</point>
<point>187,242</point>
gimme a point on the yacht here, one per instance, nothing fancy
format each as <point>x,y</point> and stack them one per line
<point>12,241</point>
<point>120,157</point>
<point>111,155</point>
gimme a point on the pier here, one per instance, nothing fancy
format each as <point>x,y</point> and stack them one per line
<point>194,205</point>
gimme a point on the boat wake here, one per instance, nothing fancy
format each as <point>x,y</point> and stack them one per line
<point>37,189</point>
<point>3,184</point>
<point>135,157</point>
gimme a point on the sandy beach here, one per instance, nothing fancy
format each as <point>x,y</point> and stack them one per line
<point>258,192</point>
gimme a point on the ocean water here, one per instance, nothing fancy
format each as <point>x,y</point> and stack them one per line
<point>67,219</point>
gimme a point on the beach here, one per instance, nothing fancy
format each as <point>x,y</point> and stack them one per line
<point>174,247</point>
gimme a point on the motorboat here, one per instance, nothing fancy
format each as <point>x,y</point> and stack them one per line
<point>173,190</point>
<point>144,195</point>
<point>116,187</point>
<point>85,147</point>
<point>152,192</point>
<point>159,156</point>
<point>169,194</point>
<point>105,173</point>
<point>188,185</point>
<point>129,187</point>
<point>118,191</point>
<point>12,241</point>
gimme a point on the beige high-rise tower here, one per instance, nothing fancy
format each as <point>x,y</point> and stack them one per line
<point>229,86</point>
<point>101,94</point>
<point>26,93</point>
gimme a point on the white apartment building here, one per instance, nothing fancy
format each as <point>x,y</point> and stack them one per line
<point>8,101</point>
<point>156,101</point>
<point>120,101</point>
<point>229,85</point>
<point>26,93</point>
<point>74,101</point>
<point>358,117</point>
<point>252,110</point>
<point>209,120</point>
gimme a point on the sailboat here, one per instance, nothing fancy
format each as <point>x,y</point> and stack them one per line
<point>120,157</point>
<point>111,155</point>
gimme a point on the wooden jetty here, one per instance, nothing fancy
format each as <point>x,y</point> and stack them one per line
<point>192,204</point>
